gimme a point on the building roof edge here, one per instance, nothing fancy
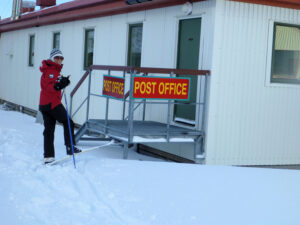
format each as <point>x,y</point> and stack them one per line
<point>79,10</point>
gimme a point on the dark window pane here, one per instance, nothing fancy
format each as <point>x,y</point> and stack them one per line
<point>135,45</point>
<point>286,54</point>
<point>31,50</point>
<point>89,48</point>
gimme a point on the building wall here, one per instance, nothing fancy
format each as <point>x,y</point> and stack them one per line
<point>251,122</point>
<point>20,83</point>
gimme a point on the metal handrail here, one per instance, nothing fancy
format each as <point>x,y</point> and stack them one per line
<point>85,75</point>
<point>131,107</point>
<point>138,70</point>
<point>133,104</point>
<point>150,70</point>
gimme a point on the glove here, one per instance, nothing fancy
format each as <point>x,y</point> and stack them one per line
<point>61,83</point>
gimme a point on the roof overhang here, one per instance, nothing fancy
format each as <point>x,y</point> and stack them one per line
<point>79,10</point>
<point>292,4</point>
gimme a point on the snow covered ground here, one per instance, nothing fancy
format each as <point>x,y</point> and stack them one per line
<point>106,190</point>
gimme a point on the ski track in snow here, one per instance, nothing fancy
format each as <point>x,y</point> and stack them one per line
<point>39,194</point>
<point>106,190</point>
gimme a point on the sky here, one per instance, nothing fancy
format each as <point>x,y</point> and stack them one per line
<point>6,7</point>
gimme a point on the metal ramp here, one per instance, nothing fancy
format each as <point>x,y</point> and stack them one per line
<point>129,131</point>
<point>143,132</point>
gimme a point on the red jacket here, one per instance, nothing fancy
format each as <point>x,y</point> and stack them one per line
<point>49,97</point>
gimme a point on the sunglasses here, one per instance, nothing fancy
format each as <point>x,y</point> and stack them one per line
<point>59,57</point>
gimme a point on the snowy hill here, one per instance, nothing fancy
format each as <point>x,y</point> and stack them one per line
<point>106,190</point>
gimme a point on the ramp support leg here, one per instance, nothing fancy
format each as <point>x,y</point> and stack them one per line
<point>82,130</point>
<point>199,153</point>
<point>125,150</point>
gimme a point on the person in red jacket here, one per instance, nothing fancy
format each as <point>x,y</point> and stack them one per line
<point>52,82</point>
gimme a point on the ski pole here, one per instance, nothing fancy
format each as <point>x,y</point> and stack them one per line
<point>70,131</point>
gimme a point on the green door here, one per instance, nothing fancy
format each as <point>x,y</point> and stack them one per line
<point>188,58</point>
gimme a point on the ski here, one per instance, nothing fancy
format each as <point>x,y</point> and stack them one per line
<point>56,162</point>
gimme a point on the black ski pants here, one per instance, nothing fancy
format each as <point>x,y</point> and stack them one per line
<point>50,117</point>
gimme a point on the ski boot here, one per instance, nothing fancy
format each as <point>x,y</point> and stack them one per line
<point>69,150</point>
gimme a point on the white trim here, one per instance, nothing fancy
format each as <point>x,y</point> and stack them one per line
<point>55,31</point>
<point>182,120</point>
<point>193,16</point>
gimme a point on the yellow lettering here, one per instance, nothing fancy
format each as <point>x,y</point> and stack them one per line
<point>148,91</point>
<point>121,90</point>
<point>104,85</point>
<point>153,84</point>
<point>184,89</point>
<point>161,88</point>
<point>179,90</point>
<point>136,86</point>
<point>166,87</point>
<point>107,85</point>
<point>113,90</point>
<point>143,87</point>
<point>172,88</point>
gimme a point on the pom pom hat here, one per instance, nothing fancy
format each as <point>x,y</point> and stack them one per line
<point>54,53</point>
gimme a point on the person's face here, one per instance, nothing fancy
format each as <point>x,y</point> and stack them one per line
<point>58,59</point>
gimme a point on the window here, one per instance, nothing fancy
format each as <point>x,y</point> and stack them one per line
<point>286,54</point>
<point>56,40</point>
<point>88,48</point>
<point>31,50</point>
<point>135,45</point>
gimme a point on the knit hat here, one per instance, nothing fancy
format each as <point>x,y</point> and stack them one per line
<point>54,53</point>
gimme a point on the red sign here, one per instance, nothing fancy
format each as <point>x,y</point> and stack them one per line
<point>113,87</point>
<point>161,88</point>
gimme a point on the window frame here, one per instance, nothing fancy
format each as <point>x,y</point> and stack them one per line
<point>129,50</point>
<point>54,40</point>
<point>31,50</point>
<point>85,63</point>
<point>279,81</point>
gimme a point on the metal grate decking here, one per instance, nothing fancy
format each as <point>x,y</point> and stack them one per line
<point>142,132</point>
<point>118,129</point>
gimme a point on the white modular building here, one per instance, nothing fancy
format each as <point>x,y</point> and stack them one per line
<point>250,47</point>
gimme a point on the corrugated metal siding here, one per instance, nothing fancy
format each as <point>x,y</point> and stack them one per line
<point>250,121</point>
<point>15,76</point>
<point>160,49</point>
<point>160,31</point>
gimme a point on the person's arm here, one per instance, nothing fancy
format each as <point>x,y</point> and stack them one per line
<point>61,83</point>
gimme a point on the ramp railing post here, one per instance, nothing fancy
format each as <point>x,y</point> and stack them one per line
<point>169,115</point>
<point>106,110</point>
<point>71,103</point>
<point>89,95</point>
<point>144,104</point>
<point>199,152</point>
<point>204,102</point>
<point>124,100</point>
<point>130,110</point>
